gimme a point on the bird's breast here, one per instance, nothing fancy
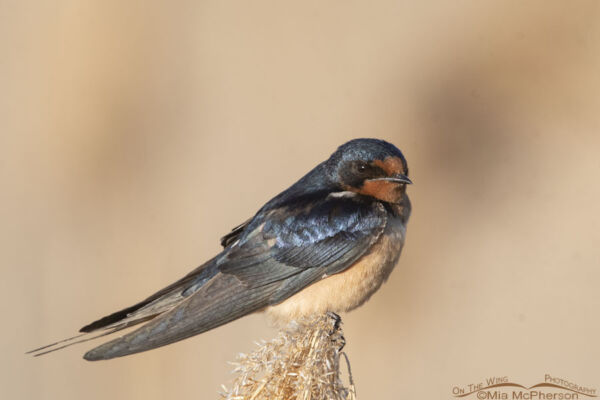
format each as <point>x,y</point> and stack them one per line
<point>350,288</point>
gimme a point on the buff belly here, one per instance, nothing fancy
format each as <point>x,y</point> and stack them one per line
<point>348,289</point>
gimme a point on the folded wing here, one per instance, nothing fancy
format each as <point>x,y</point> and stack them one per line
<point>278,253</point>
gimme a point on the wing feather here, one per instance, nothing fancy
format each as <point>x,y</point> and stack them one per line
<point>266,260</point>
<point>328,234</point>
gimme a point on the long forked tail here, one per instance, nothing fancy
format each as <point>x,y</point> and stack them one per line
<point>159,303</point>
<point>223,299</point>
<point>61,344</point>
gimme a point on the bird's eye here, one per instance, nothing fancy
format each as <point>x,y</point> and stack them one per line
<point>361,167</point>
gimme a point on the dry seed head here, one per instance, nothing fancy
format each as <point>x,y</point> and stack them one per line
<point>302,363</point>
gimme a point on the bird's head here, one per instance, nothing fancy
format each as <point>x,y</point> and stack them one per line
<point>370,167</point>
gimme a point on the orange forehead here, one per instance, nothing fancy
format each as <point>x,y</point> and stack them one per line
<point>391,165</point>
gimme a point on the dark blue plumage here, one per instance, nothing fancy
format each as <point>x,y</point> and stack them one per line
<point>328,221</point>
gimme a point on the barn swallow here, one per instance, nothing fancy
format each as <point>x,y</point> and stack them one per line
<point>325,244</point>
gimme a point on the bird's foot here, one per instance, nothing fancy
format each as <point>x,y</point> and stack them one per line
<point>337,321</point>
<point>336,333</point>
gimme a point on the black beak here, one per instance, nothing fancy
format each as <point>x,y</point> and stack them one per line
<point>397,178</point>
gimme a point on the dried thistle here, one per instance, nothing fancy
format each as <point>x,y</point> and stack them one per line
<point>302,363</point>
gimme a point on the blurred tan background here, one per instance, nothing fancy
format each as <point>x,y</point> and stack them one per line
<point>134,134</point>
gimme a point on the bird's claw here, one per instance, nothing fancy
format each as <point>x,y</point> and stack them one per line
<point>337,322</point>
<point>342,342</point>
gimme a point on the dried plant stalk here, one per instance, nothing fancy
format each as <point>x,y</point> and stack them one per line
<point>302,363</point>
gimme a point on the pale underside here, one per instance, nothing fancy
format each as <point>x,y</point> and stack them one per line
<point>347,290</point>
